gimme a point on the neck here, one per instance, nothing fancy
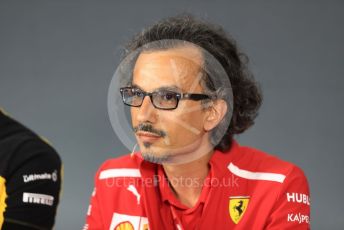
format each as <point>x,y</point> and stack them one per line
<point>187,179</point>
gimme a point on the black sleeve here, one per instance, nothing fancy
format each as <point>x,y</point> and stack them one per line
<point>33,187</point>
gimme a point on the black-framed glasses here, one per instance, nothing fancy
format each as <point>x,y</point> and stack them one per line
<point>161,99</point>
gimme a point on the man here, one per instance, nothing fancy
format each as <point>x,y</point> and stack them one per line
<point>30,178</point>
<point>183,177</point>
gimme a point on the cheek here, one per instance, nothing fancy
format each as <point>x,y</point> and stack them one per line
<point>133,114</point>
<point>191,113</point>
<point>184,127</point>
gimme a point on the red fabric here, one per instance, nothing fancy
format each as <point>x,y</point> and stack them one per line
<point>183,215</point>
<point>271,204</point>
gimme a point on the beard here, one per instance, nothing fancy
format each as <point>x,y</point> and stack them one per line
<point>153,158</point>
<point>175,155</point>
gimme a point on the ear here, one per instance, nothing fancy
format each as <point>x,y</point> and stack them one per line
<point>215,114</point>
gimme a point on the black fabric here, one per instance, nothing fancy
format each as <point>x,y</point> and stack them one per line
<point>32,170</point>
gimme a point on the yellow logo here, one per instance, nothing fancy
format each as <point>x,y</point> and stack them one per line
<point>3,197</point>
<point>237,207</point>
<point>126,225</point>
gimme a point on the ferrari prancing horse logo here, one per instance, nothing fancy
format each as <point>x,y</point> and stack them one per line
<point>237,207</point>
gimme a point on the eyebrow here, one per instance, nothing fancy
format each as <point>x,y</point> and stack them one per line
<point>169,87</point>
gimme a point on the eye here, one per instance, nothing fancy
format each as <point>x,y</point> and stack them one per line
<point>137,92</point>
<point>169,96</point>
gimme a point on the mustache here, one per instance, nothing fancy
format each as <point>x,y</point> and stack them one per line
<point>149,128</point>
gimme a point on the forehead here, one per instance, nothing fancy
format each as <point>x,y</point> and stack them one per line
<point>180,67</point>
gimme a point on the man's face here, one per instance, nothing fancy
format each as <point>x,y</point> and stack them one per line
<point>165,133</point>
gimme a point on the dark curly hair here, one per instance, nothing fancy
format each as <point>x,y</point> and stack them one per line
<point>247,97</point>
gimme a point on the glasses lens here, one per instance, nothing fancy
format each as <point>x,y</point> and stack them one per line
<point>132,96</point>
<point>165,99</point>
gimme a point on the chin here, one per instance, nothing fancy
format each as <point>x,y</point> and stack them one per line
<point>155,158</point>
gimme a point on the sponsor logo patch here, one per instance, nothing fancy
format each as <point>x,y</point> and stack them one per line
<point>298,218</point>
<point>298,198</point>
<point>3,197</point>
<point>43,176</point>
<point>126,225</point>
<point>237,207</point>
<point>128,222</point>
<point>134,191</point>
<point>36,198</point>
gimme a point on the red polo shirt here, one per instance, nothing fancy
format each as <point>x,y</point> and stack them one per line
<point>182,214</point>
<point>249,189</point>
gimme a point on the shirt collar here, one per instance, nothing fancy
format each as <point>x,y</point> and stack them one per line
<point>168,196</point>
<point>220,160</point>
<point>218,167</point>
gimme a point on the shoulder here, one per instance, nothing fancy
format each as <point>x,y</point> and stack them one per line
<point>20,147</point>
<point>123,166</point>
<point>258,160</point>
<point>35,151</point>
<point>269,178</point>
<point>125,161</point>
<point>15,137</point>
<point>254,164</point>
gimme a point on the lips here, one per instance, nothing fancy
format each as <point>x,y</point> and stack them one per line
<point>148,137</point>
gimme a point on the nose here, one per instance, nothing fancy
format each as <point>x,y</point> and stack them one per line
<point>147,111</point>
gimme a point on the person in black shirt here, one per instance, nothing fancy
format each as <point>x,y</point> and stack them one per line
<point>30,178</point>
